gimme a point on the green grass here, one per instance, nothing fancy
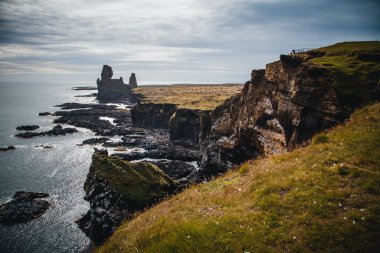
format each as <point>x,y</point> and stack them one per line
<point>354,67</point>
<point>140,184</point>
<point>321,198</point>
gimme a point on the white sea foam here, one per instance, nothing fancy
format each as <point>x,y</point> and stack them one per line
<point>109,119</point>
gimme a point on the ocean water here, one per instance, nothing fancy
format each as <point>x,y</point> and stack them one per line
<point>60,171</point>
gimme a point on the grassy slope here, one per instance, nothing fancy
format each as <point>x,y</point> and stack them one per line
<point>138,183</point>
<point>204,97</point>
<point>355,67</point>
<point>324,197</point>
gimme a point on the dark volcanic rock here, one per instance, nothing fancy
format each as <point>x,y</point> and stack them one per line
<point>94,141</point>
<point>115,189</point>
<point>7,148</point>
<point>57,130</point>
<point>133,81</point>
<point>175,169</point>
<point>44,114</point>
<point>87,116</point>
<point>27,127</point>
<point>23,207</point>
<point>152,115</point>
<point>111,89</point>
<point>185,124</point>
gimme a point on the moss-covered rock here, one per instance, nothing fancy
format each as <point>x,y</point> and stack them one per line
<point>139,184</point>
<point>117,188</point>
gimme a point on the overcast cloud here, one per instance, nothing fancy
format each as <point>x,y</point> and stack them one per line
<point>198,41</point>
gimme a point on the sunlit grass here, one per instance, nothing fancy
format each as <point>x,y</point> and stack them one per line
<point>203,97</point>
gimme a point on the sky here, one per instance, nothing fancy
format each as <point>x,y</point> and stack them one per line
<point>169,41</point>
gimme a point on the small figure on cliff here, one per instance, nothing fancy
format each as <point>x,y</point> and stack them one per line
<point>133,81</point>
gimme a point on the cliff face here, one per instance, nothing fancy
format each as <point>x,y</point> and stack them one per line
<point>183,124</point>
<point>152,115</point>
<point>111,89</point>
<point>116,189</point>
<point>279,108</point>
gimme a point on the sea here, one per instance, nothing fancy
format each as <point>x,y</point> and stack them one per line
<point>59,171</point>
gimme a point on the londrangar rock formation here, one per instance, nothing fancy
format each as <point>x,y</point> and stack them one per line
<point>133,81</point>
<point>111,89</point>
<point>278,109</point>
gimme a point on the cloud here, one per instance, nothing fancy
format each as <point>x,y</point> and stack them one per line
<point>189,40</point>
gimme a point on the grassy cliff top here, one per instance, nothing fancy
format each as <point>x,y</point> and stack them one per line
<point>351,57</point>
<point>203,97</point>
<point>355,68</point>
<point>324,197</point>
<point>139,183</point>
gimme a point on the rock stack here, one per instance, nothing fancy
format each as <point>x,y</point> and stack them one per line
<point>111,89</point>
<point>133,81</point>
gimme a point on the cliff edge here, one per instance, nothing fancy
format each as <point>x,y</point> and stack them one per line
<point>284,105</point>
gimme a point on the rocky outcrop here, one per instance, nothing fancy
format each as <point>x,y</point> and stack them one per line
<point>55,131</point>
<point>23,207</point>
<point>7,148</point>
<point>116,189</point>
<point>133,81</point>
<point>278,109</point>
<point>152,115</point>
<point>44,114</point>
<point>111,89</point>
<point>183,124</point>
<point>27,127</point>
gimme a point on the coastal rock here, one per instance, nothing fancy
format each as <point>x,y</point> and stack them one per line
<point>27,127</point>
<point>44,114</point>
<point>116,189</point>
<point>184,124</point>
<point>23,207</point>
<point>44,146</point>
<point>7,148</point>
<point>88,116</point>
<point>94,141</point>
<point>133,81</point>
<point>111,89</point>
<point>152,115</point>
<point>57,130</point>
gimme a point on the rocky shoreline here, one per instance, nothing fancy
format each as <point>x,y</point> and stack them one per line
<point>55,131</point>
